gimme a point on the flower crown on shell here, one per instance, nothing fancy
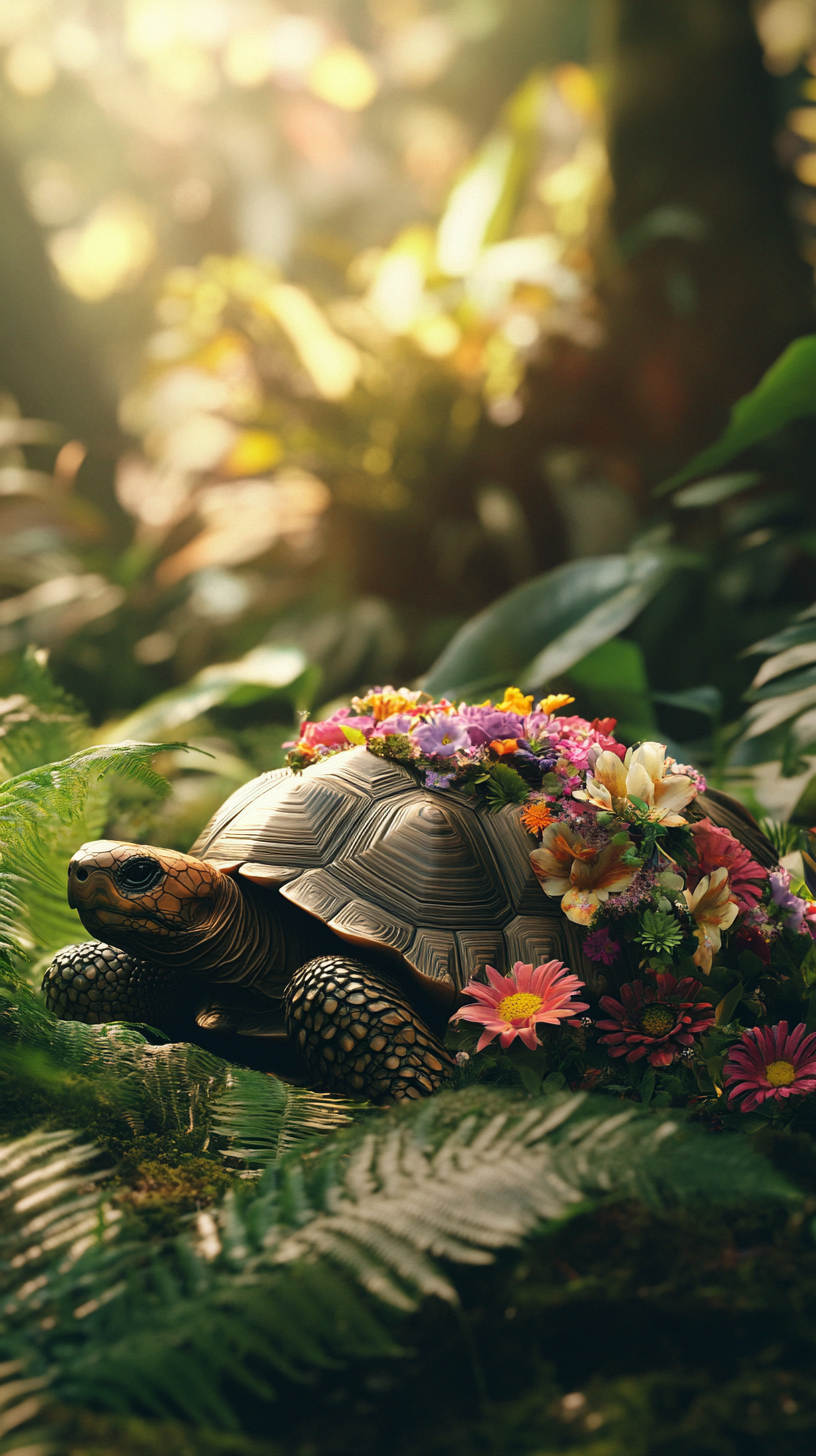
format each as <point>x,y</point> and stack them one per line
<point>620,843</point>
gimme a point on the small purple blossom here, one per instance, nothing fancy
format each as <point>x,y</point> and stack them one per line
<point>442,735</point>
<point>791,904</point>
<point>434,780</point>
<point>600,947</point>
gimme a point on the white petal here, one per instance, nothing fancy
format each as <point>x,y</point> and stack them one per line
<point>639,784</point>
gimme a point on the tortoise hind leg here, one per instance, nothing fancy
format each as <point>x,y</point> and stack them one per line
<point>358,1034</point>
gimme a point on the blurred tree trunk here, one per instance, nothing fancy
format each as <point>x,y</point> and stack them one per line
<point>705,285</point>
<point>43,362</point>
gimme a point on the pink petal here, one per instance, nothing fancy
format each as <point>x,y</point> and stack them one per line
<point>484,1040</point>
<point>501,983</point>
<point>527,1034</point>
<point>522,975</point>
<point>507,1036</point>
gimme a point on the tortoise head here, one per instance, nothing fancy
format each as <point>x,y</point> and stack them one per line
<point>154,903</point>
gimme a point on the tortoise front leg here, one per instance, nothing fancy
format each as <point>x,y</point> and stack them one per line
<point>95,983</point>
<point>357,1034</point>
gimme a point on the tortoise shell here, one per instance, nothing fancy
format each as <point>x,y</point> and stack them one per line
<point>432,876</point>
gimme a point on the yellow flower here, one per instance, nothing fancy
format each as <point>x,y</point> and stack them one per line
<point>643,775</point>
<point>712,911</point>
<point>514,701</point>
<point>582,877</point>
<point>553,702</point>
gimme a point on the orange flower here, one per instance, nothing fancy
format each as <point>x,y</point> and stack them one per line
<point>382,703</point>
<point>595,880</point>
<point>504,745</point>
<point>553,702</point>
<point>580,876</point>
<point>536,816</point>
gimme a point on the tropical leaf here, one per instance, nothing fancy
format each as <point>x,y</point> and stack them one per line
<point>266,671</point>
<point>781,721</point>
<point>786,392</point>
<point>538,630</point>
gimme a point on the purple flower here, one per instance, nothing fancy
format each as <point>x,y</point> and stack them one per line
<point>397,723</point>
<point>485,723</point>
<point>443,735</point>
<point>537,726</point>
<point>601,948</point>
<point>786,900</point>
<point>434,780</point>
<point>543,761</point>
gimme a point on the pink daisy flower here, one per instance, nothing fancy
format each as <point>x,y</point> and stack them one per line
<point>511,1006</point>
<point>655,1020</point>
<point>771,1062</point>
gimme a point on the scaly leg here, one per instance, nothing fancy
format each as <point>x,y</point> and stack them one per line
<point>359,1035</point>
<point>95,983</point>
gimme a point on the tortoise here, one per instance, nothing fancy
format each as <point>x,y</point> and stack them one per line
<point>323,924</point>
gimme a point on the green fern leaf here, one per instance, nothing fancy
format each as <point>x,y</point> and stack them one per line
<point>262,1117</point>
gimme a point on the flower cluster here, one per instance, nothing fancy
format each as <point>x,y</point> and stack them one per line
<point>697,936</point>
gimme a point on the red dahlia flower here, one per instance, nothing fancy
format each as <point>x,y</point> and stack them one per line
<point>770,1063</point>
<point>717,849</point>
<point>655,1021</point>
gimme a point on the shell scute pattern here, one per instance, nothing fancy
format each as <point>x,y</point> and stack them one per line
<point>356,843</point>
<point>425,863</point>
<point>209,842</point>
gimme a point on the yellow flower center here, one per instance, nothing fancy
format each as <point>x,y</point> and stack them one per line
<point>519,1006</point>
<point>656,1020</point>
<point>780,1074</point>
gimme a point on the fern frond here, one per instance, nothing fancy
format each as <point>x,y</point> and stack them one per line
<point>784,837</point>
<point>262,1117</point>
<point>173,1085</point>
<point>35,808</point>
<point>299,1271</point>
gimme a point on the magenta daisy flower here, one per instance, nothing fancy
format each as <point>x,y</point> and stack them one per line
<point>655,1020</point>
<point>511,1006</point>
<point>771,1063</point>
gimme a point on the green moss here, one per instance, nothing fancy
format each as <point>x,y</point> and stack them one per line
<point>160,1194</point>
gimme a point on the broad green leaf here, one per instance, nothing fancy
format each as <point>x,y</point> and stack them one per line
<point>281,672</point>
<point>530,1080</point>
<point>705,699</point>
<point>647,1086</point>
<point>539,629</point>
<point>786,392</point>
<point>611,681</point>
<point>465,225</point>
<point>730,1001</point>
<point>717,488</point>
<point>800,631</point>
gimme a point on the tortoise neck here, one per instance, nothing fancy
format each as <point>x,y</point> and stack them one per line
<point>243,940</point>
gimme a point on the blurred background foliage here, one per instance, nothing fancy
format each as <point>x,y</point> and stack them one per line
<point>327,325</point>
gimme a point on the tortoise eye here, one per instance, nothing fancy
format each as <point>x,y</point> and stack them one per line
<point>139,874</point>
